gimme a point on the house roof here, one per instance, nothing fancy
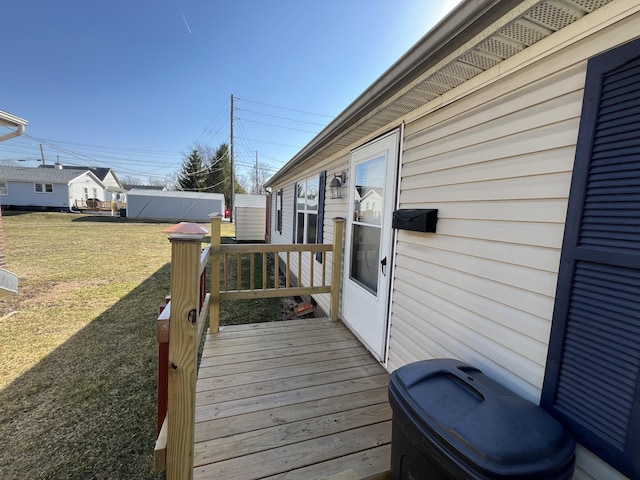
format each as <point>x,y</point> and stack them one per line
<point>475,37</point>
<point>100,172</point>
<point>45,175</point>
<point>175,194</point>
<point>128,186</point>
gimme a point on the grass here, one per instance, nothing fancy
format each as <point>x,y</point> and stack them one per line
<point>78,357</point>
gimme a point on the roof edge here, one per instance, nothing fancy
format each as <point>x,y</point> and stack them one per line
<point>466,20</point>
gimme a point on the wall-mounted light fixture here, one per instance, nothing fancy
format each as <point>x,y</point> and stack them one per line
<point>337,183</point>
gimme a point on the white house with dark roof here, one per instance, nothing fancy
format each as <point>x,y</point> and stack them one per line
<point>48,188</point>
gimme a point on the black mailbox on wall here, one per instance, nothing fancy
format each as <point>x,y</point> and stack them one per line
<point>416,219</point>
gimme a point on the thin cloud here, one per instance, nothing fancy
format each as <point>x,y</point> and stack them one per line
<point>184,19</point>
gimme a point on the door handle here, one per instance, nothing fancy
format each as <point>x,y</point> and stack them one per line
<point>383,264</point>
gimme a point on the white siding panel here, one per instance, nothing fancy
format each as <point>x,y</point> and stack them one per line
<point>590,467</point>
<point>557,136</point>
<point>484,303</point>
<point>250,223</point>
<point>532,280</point>
<point>535,187</point>
<point>498,168</point>
<point>538,163</point>
<point>533,303</point>
<point>540,258</point>
<point>535,210</point>
<point>465,345</point>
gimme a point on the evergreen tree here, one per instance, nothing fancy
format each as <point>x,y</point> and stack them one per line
<point>219,174</point>
<point>193,175</point>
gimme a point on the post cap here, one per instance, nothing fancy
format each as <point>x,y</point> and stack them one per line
<point>185,229</point>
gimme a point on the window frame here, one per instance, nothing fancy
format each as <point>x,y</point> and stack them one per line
<point>304,211</point>
<point>4,188</point>
<point>319,212</point>
<point>43,187</point>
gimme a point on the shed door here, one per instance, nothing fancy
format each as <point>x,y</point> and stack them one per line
<point>368,244</point>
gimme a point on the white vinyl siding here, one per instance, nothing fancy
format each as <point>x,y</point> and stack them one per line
<point>495,156</point>
<point>332,208</point>
<point>497,164</point>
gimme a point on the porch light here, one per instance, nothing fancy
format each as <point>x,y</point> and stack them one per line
<point>337,183</point>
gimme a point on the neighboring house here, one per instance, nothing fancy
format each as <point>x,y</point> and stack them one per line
<point>174,205</point>
<point>114,190</point>
<point>250,217</point>
<point>48,188</point>
<point>8,280</point>
<point>519,121</point>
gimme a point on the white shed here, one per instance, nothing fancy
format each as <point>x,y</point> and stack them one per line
<point>250,217</point>
<point>175,205</point>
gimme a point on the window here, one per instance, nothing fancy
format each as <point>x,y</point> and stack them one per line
<point>279,194</point>
<point>43,187</point>
<point>86,193</point>
<point>3,188</point>
<point>592,378</point>
<point>307,211</point>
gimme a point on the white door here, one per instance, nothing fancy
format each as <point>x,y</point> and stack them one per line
<point>368,246</point>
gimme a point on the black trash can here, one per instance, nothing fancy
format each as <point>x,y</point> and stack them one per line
<point>450,421</point>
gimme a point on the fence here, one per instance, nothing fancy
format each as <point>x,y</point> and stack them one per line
<point>181,323</point>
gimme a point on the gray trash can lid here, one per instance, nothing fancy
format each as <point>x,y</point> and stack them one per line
<point>479,421</point>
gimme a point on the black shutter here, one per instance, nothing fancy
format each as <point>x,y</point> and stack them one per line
<point>320,226</point>
<point>279,198</point>
<point>295,212</point>
<point>593,366</point>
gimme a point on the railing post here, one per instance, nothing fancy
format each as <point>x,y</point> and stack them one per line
<point>214,266</point>
<point>336,267</point>
<point>186,240</point>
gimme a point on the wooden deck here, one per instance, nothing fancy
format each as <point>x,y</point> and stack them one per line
<point>298,399</point>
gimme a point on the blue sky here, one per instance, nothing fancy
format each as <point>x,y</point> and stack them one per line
<point>133,84</point>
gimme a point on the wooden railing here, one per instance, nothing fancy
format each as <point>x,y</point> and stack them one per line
<point>181,322</point>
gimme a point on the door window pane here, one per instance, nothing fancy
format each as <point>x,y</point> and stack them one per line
<point>369,191</point>
<point>365,251</point>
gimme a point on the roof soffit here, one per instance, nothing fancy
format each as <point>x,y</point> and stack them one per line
<point>478,46</point>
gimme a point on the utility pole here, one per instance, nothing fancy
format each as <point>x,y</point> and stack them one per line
<point>42,154</point>
<point>257,180</point>
<point>233,186</point>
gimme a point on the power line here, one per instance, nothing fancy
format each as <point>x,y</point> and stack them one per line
<point>274,125</point>
<point>283,108</point>
<point>282,118</point>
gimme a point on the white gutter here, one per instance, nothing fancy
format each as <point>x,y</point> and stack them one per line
<point>16,133</point>
<point>11,121</point>
<point>8,280</point>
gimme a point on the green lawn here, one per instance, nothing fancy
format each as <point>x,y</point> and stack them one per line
<point>78,349</point>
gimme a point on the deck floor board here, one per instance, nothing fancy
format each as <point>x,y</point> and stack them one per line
<point>295,399</point>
